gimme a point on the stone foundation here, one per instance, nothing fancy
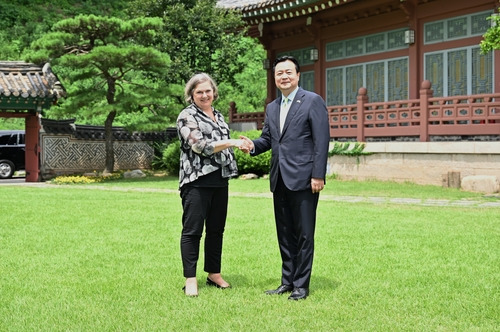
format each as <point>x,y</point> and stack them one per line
<point>419,162</point>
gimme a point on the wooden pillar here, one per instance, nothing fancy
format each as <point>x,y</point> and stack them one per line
<point>362,99</point>
<point>32,146</point>
<point>425,94</point>
<point>409,7</point>
<point>232,111</point>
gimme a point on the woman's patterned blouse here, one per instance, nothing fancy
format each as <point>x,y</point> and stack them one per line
<point>198,134</point>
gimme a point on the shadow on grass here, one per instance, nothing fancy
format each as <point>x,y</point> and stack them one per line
<point>243,282</point>
<point>324,283</point>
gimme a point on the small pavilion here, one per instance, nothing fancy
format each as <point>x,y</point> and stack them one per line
<point>26,91</point>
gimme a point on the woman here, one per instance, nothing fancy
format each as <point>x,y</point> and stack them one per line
<point>207,163</point>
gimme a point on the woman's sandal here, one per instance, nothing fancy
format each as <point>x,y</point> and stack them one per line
<point>212,283</point>
<point>190,295</point>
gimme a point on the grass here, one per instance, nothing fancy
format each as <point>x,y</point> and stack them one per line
<point>74,259</point>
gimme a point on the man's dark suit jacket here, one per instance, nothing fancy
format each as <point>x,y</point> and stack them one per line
<point>300,152</point>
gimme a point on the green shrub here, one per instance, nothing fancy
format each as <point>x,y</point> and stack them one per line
<point>158,148</point>
<point>171,157</point>
<point>342,149</point>
<point>170,160</point>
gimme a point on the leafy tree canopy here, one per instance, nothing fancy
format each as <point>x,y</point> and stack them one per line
<point>107,63</point>
<point>22,21</point>
<point>250,93</point>
<point>491,39</point>
<point>112,68</point>
<point>199,36</point>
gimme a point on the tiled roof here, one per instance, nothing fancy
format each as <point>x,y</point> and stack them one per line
<point>26,81</point>
<point>262,11</point>
<point>240,4</point>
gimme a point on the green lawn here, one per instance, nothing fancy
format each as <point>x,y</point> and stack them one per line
<point>78,258</point>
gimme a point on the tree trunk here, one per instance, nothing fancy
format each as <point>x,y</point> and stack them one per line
<point>108,127</point>
<point>108,136</point>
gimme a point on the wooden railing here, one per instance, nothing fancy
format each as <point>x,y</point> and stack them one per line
<point>473,115</point>
<point>235,117</point>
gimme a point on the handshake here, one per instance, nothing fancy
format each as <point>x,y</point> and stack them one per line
<point>244,144</point>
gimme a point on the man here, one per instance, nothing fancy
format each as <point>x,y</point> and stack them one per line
<point>296,129</point>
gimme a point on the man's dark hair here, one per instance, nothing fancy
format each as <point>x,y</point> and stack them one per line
<point>285,58</point>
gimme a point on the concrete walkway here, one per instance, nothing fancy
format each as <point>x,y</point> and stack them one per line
<point>414,201</point>
<point>495,203</point>
<point>389,200</point>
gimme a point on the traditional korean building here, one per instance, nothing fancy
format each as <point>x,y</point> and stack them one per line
<point>26,91</point>
<point>387,47</point>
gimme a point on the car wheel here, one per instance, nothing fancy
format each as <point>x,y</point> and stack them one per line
<point>6,169</point>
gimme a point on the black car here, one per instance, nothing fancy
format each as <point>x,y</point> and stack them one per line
<point>12,152</point>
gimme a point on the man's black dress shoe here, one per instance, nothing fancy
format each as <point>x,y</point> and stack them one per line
<point>299,294</point>
<point>280,290</point>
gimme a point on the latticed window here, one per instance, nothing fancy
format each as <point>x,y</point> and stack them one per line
<point>482,72</point>
<point>459,72</point>
<point>397,84</point>
<point>434,67</point>
<point>456,27</point>
<point>302,55</point>
<point>376,43</point>
<point>335,86</point>
<point>375,74</point>
<point>354,80</point>
<point>307,80</point>
<point>384,80</point>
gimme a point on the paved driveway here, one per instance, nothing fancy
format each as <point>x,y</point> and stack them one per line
<point>12,180</point>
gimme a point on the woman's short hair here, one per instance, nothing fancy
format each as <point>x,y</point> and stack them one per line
<point>193,83</point>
